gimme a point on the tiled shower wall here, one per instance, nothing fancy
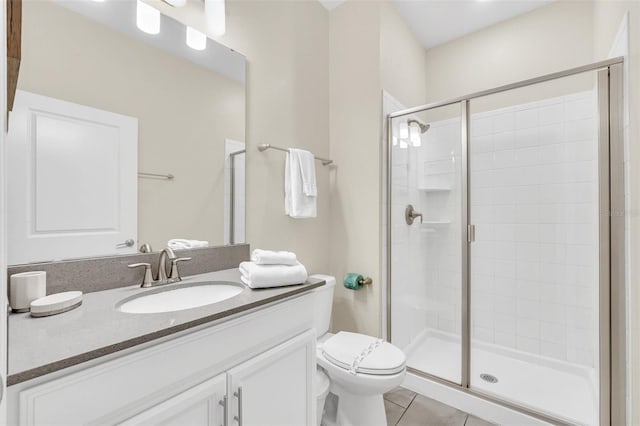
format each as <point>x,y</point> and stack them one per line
<point>426,257</point>
<point>533,189</point>
<point>408,267</point>
<point>534,203</point>
<point>439,191</point>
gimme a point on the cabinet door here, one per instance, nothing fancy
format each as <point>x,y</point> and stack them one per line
<point>202,405</point>
<point>275,388</point>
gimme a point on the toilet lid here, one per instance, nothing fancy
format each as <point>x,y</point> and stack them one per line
<point>360,353</point>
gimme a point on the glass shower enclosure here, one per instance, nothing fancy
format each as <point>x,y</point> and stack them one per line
<point>500,242</point>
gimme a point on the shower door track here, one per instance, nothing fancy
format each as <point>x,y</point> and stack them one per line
<point>612,308</point>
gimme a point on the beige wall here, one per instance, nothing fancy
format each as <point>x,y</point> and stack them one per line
<point>552,38</point>
<point>355,140</point>
<point>607,19</point>
<point>184,113</point>
<point>380,53</point>
<point>287,48</point>
<point>402,59</point>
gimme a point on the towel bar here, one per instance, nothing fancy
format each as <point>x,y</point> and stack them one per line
<point>264,146</point>
<point>168,176</point>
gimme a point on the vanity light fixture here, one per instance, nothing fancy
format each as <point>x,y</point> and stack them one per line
<point>147,18</point>
<point>214,11</point>
<point>195,39</point>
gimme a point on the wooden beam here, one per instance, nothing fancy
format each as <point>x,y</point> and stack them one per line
<point>14,48</point>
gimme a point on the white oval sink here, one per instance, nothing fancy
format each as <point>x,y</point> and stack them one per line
<point>180,298</point>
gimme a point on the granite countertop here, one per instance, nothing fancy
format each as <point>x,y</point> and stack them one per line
<point>38,346</point>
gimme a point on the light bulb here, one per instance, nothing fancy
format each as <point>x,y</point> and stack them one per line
<point>214,11</point>
<point>414,134</point>
<point>147,18</point>
<point>403,130</point>
<point>394,140</point>
<point>403,144</point>
<point>195,39</point>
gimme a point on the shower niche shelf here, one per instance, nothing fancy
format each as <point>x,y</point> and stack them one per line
<point>435,224</point>
<point>434,189</point>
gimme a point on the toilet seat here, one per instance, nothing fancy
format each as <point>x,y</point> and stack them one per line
<point>359,353</point>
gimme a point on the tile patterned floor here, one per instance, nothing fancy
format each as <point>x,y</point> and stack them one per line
<point>406,408</point>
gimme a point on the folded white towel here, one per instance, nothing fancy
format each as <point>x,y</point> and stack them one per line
<point>270,257</point>
<point>180,244</point>
<point>300,189</point>
<point>262,276</point>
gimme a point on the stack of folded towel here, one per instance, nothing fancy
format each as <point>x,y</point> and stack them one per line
<point>180,244</point>
<point>272,269</point>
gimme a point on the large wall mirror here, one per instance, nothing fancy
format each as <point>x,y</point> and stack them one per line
<point>120,138</point>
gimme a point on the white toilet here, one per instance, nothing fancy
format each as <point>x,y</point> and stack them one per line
<point>360,368</point>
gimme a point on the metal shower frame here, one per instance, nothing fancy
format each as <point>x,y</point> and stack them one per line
<point>612,306</point>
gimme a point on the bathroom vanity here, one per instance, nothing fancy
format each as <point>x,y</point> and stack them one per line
<point>247,360</point>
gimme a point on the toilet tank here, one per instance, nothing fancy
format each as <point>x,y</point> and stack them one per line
<point>323,303</point>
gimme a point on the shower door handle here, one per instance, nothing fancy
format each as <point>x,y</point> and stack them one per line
<point>471,233</point>
<point>410,215</point>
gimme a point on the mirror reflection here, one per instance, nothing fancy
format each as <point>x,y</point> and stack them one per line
<point>120,138</point>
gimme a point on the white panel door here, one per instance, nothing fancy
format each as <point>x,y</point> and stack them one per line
<point>72,180</point>
<point>202,405</point>
<point>275,388</point>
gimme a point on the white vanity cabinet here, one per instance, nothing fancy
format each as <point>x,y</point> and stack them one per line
<point>261,364</point>
<point>271,389</point>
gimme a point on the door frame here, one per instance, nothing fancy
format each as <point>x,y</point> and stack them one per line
<point>3,215</point>
<point>612,322</point>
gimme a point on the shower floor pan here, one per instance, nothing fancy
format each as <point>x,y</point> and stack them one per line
<point>557,388</point>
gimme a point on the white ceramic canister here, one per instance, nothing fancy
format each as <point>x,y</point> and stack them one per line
<point>26,287</point>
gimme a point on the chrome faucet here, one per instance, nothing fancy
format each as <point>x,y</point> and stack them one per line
<point>161,277</point>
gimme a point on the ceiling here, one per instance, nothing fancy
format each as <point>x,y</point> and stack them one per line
<point>436,22</point>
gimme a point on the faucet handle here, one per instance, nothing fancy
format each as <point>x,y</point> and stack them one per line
<point>174,276</point>
<point>147,280</point>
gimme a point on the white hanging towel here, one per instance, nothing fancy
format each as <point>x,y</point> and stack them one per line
<point>300,189</point>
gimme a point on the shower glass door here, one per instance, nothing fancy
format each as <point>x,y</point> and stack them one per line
<point>426,188</point>
<point>534,264</point>
<point>506,244</point>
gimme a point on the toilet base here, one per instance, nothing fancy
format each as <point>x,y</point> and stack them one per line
<point>358,410</point>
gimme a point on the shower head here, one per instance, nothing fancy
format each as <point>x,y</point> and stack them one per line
<point>423,127</point>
